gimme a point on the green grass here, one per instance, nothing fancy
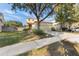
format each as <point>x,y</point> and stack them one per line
<point>8,38</point>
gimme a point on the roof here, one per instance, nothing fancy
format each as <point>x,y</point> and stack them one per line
<point>35,21</point>
<point>46,22</point>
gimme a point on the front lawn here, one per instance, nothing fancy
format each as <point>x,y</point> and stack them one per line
<point>8,38</point>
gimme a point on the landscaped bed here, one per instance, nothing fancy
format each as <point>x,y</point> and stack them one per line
<point>62,48</point>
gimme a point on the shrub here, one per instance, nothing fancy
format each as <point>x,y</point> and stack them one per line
<point>39,32</point>
<point>53,29</point>
<point>26,29</point>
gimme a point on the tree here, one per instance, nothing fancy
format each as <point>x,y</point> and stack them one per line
<point>60,15</point>
<point>40,10</point>
<point>65,14</point>
<point>13,23</point>
<point>76,12</point>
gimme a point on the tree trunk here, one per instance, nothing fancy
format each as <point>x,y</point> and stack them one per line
<point>61,26</point>
<point>38,25</point>
<point>30,27</point>
<point>70,25</point>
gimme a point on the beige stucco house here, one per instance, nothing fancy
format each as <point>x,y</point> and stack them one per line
<point>57,25</point>
<point>75,25</point>
<point>48,25</point>
<point>44,25</point>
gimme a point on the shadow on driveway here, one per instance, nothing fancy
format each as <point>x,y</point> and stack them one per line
<point>63,48</point>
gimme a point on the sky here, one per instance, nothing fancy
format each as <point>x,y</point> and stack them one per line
<point>21,16</point>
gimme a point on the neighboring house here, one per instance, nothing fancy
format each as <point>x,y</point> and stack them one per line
<point>9,28</point>
<point>12,28</point>
<point>1,21</point>
<point>3,27</point>
<point>75,25</point>
<point>56,26</point>
<point>44,25</point>
<point>20,28</point>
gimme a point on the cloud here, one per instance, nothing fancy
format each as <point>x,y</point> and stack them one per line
<point>28,15</point>
<point>6,11</point>
<point>9,12</point>
<point>24,13</point>
<point>14,17</point>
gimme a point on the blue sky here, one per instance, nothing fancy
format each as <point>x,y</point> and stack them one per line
<point>18,16</point>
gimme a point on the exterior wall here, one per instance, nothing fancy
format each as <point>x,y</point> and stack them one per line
<point>75,25</point>
<point>20,29</point>
<point>34,26</point>
<point>46,26</point>
<point>57,26</point>
<point>1,24</point>
<point>43,25</point>
<point>4,28</point>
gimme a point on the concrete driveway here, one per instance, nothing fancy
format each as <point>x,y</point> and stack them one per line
<point>72,37</point>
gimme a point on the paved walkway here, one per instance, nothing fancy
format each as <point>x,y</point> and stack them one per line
<point>27,46</point>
